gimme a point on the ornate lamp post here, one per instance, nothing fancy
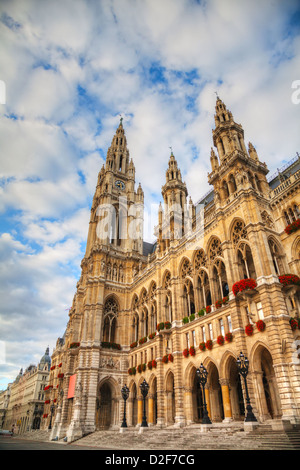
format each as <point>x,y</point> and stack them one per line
<point>202,377</point>
<point>125,395</point>
<point>243,368</point>
<point>144,391</point>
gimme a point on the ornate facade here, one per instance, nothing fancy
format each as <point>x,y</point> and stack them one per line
<point>25,398</point>
<point>156,312</point>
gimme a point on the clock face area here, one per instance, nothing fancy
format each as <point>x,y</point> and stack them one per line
<point>120,185</point>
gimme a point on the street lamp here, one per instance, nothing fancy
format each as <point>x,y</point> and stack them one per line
<point>144,391</point>
<point>202,377</point>
<point>243,368</point>
<point>125,395</point>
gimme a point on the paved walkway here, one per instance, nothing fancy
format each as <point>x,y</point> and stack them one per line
<point>189,438</point>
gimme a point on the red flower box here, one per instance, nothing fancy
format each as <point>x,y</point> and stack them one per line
<point>154,363</point>
<point>132,371</point>
<point>220,340</point>
<point>209,344</point>
<point>52,367</point>
<point>192,351</point>
<point>59,365</point>
<point>185,352</point>
<point>289,279</point>
<point>149,365</point>
<point>293,227</point>
<point>170,358</point>
<point>219,303</point>
<point>165,359</point>
<point>47,402</point>
<point>260,325</point>
<point>60,376</point>
<point>133,345</point>
<point>202,346</point>
<point>160,326</point>
<point>208,309</point>
<point>294,324</point>
<point>228,337</point>
<point>243,284</point>
<point>249,330</point>
<point>143,340</point>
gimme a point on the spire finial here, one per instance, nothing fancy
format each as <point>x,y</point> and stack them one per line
<point>121,120</point>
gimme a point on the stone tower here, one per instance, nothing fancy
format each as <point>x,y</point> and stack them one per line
<point>173,214</point>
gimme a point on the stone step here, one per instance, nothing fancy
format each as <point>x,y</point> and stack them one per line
<point>188,438</point>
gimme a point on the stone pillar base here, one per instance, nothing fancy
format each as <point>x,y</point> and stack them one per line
<point>74,432</point>
<point>281,425</point>
<point>250,425</point>
<point>206,427</point>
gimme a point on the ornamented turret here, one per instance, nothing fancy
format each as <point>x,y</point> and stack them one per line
<point>235,168</point>
<point>172,217</point>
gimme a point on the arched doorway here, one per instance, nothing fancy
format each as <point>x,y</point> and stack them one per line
<point>215,394</point>
<point>235,390</point>
<point>104,407</point>
<point>170,400</point>
<point>268,400</point>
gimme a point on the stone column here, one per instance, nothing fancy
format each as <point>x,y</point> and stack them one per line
<point>151,409</point>
<point>226,400</point>
<point>140,410</point>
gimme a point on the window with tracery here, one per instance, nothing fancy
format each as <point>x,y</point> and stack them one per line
<point>239,232</point>
<point>186,268</point>
<point>110,320</point>
<point>200,260</point>
<point>167,278</point>
<point>215,249</point>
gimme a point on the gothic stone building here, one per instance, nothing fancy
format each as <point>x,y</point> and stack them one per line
<point>158,312</point>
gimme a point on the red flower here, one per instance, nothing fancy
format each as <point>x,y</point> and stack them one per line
<point>185,352</point>
<point>208,309</point>
<point>209,344</point>
<point>260,325</point>
<point>228,337</point>
<point>202,346</point>
<point>249,330</point>
<point>293,323</point>
<point>154,363</point>
<point>192,351</point>
<point>289,279</point>
<point>218,303</point>
<point>165,359</point>
<point>170,357</point>
<point>133,345</point>
<point>243,284</point>
<point>60,376</point>
<point>220,340</point>
<point>293,227</point>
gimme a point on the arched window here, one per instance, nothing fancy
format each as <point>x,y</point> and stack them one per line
<point>245,262</point>
<point>276,257</point>
<point>110,314</point>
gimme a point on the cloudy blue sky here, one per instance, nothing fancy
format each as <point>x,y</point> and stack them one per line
<point>70,68</point>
